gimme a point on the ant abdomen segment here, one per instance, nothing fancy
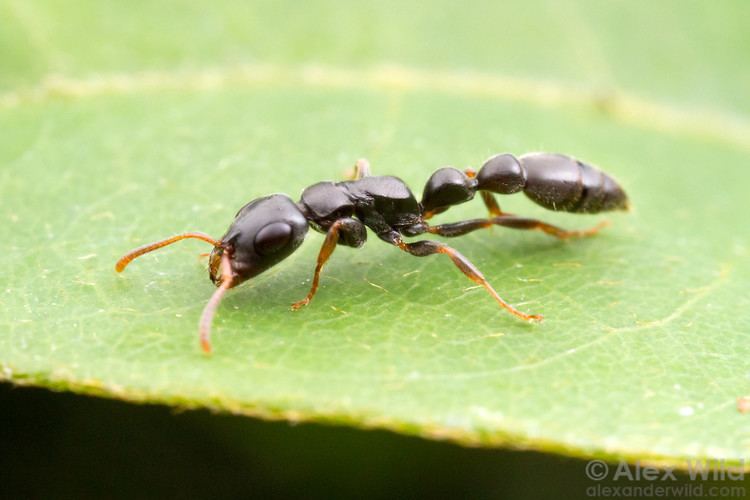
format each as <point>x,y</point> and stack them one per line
<point>554,181</point>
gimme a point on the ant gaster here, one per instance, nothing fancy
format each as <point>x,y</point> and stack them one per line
<point>269,229</point>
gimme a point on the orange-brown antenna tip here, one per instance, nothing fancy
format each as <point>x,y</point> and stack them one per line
<point>137,252</point>
<point>204,326</point>
<point>206,345</point>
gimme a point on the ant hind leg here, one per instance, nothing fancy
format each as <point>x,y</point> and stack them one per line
<point>500,218</point>
<point>428,247</point>
<point>513,222</point>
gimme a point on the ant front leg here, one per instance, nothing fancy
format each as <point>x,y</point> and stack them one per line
<point>349,232</point>
<point>428,247</point>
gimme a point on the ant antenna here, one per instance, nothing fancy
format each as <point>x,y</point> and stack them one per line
<point>128,257</point>
<point>213,303</point>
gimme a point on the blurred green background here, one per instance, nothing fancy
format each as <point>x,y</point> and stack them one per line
<point>124,120</point>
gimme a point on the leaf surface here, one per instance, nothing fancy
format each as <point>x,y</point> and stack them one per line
<point>122,127</point>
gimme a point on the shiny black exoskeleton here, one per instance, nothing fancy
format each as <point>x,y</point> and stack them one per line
<point>269,229</point>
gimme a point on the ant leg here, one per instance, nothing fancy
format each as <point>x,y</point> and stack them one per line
<point>329,245</point>
<point>491,203</point>
<point>460,228</point>
<point>352,233</point>
<point>514,222</point>
<point>361,169</point>
<point>428,247</point>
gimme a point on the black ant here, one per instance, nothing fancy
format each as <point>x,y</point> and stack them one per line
<point>269,229</point>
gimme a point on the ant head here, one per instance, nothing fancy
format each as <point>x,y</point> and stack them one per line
<point>264,232</point>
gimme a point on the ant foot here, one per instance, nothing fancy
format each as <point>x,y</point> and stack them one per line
<point>300,304</point>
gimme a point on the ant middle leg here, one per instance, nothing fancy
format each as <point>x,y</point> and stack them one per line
<point>346,231</point>
<point>428,247</point>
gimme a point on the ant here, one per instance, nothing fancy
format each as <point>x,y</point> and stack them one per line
<point>267,230</point>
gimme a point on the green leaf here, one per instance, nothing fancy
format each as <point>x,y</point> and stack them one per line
<point>124,124</point>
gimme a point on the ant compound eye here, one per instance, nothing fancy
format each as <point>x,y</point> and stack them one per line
<point>273,238</point>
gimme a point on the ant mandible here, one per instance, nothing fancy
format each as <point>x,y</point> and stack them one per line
<point>269,229</point>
